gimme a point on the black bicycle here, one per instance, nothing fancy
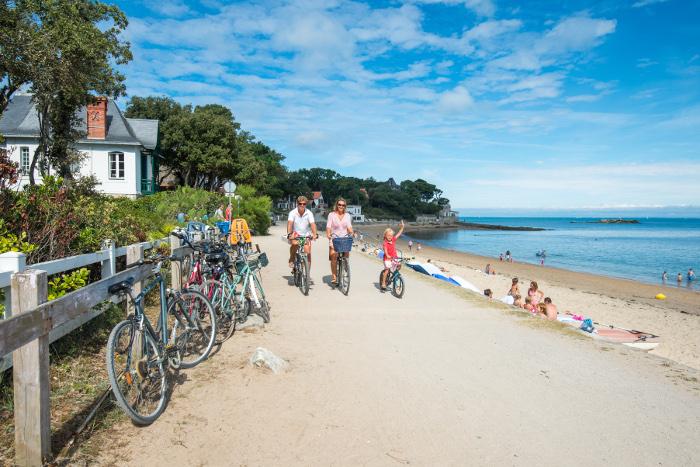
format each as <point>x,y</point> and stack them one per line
<point>137,353</point>
<point>343,246</point>
<point>301,265</point>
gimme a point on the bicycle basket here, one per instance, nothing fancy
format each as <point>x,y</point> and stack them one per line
<point>223,227</point>
<point>342,245</point>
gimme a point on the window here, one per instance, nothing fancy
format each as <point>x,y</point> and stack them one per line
<point>24,161</point>
<point>116,165</point>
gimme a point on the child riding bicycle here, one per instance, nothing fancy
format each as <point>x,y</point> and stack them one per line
<point>391,259</point>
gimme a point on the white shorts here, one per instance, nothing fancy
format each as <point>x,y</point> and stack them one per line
<point>390,264</point>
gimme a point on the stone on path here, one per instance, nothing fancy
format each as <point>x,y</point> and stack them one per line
<point>263,358</point>
<point>254,323</point>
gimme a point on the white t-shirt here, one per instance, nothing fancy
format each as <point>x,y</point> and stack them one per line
<point>302,222</point>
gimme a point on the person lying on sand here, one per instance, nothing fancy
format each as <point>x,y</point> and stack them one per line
<point>442,269</point>
<point>550,309</point>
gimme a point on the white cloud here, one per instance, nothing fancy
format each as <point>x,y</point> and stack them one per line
<point>645,62</point>
<point>642,3</point>
<point>480,7</point>
<point>168,7</point>
<point>455,101</point>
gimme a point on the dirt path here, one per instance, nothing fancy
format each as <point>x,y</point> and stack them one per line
<point>432,379</point>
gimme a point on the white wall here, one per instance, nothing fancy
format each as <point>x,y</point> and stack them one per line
<point>95,163</point>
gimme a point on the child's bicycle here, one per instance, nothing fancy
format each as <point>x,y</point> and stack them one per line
<point>394,281</point>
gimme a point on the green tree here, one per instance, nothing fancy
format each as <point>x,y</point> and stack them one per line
<point>72,48</point>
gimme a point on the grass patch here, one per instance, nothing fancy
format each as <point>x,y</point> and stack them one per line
<point>78,378</point>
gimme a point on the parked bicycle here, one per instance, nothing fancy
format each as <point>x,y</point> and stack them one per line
<point>137,352</point>
<point>343,246</point>
<point>395,280</point>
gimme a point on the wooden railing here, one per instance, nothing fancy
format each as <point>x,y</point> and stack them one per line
<point>32,323</point>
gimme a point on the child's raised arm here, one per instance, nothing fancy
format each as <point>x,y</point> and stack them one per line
<point>400,230</point>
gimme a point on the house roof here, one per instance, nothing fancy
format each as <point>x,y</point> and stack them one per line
<point>20,119</point>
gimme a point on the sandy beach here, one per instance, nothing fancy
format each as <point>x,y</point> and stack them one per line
<point>620,302</point>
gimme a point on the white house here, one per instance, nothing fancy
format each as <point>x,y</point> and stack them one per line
<point>121,153</point>
<point>355,212</point>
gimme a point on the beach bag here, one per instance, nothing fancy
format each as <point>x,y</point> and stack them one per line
<point>587,325</point>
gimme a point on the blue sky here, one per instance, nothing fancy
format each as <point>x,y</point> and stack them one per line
<point>536,104</point>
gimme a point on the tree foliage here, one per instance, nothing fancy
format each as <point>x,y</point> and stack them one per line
<point>65,52</point>
<point>204,146</point>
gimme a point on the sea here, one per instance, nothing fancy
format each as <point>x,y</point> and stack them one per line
<point>640,251</point>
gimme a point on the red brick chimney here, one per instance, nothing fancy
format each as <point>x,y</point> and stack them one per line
<point>97,119</point>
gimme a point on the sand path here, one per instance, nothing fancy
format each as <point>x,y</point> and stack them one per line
<point>432,379</point>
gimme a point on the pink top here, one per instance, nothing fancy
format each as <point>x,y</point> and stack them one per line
<point>339,226</point>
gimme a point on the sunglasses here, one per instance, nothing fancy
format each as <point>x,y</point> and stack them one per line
<point>302,204</point>
<point>341,205</point>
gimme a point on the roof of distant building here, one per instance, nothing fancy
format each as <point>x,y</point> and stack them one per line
<point>20,119</point>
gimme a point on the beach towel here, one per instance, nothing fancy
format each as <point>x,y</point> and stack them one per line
<point>465,284</point>
<point>508,300</point>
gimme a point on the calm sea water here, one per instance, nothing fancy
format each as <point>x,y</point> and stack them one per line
<point>634,251</point>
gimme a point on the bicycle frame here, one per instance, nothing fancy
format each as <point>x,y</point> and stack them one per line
<point>157,281</point>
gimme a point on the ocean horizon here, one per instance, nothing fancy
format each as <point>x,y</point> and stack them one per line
<point>640,251</point>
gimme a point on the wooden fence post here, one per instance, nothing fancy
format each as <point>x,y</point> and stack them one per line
<point>31,376</point>
<point>175,266</point>
<point>109,265</point>
<point>13,261</point>
<point>134,254</point>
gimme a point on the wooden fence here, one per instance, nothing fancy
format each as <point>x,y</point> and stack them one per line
<point>31,324</point>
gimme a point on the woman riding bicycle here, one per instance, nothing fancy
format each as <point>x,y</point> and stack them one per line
<point>390,256</point>
<point>339,225</point>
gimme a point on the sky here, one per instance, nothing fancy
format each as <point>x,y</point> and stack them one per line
<point>502,104</point>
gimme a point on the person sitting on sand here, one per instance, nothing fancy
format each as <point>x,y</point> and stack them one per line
<point>517,301</point>
<point>550,309</point>
<point>488,293</point>
<point>529,306</point>
<point>534,293</point>
<point>514,290</point>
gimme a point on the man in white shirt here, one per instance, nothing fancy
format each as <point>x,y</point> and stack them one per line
<point>300,223</point>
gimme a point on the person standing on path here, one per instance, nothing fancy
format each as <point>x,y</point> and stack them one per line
<point>300,223</point>
<point>339,225</point>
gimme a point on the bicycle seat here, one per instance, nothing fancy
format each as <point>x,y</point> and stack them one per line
<point>121,286</point>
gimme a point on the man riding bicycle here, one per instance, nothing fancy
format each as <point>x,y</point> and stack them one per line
<point>300,223</point>
<point>339,225</point>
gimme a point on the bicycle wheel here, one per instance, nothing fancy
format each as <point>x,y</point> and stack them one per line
<point>136,373</point>
<point>344,275</point>
<point>192,327</point>
<point>397,286</point>
<point>304,276</point>
<point>224,307</point>
<point>263,310</point>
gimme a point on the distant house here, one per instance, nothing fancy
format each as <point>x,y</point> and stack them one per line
<point>286,204</point>
<point>426,219</point>
<point>355,212</point>
<point>317,201</point>
<point>121,153</point>
<point>447,215</point>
